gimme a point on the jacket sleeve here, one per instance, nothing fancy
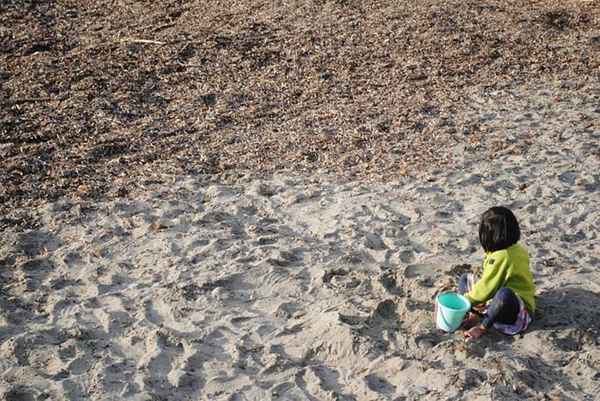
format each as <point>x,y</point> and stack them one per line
<point>494,273</point>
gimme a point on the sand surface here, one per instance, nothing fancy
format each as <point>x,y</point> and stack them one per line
<point>314,288</point>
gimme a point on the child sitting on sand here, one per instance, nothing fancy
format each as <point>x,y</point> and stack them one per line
<point>504,295</point>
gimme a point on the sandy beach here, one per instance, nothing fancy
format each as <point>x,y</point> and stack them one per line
<point>311,287</point>
<point>247,201</point>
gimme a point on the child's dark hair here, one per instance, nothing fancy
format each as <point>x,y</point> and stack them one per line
<point>499,229</point>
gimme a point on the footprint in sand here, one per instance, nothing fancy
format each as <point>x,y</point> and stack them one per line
<point>36,243</point>
<point>420,271</point>
<point>33,272</point>
<point>286,310</point>
<point>166,369</point>
<point>379,384</point>
<point>262,241</point>
<point>373,241</point>
<point>20,393</point>
<point>285,258</point>
<point>406,256</point>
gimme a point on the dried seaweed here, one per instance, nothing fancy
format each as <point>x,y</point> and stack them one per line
<point>97,96</point>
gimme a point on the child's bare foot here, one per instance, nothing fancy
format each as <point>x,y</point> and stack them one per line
<point>471,320</point>
<point>475,332</point>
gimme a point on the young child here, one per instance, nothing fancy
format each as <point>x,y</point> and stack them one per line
<point>505,292</point>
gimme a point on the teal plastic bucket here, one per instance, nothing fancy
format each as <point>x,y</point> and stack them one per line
<point>451,310</point>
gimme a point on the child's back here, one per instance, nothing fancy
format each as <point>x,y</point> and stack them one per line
<point>505,290</point>
<point>515,261</point>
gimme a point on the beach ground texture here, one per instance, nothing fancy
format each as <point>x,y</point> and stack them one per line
<point>260,201</point>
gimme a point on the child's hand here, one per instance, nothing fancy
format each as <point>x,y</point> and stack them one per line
<point>475,332</point>
<point>480,308</point>
<point>470,321</point>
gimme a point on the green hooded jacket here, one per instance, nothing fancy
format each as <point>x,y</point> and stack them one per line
<point>505,268</point>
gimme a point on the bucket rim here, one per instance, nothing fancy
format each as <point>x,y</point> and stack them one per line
<point>461,296</point>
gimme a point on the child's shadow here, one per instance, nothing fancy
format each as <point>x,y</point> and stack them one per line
<point>567,307</point>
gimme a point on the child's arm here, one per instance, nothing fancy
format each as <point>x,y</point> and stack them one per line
<point>494,274</point>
